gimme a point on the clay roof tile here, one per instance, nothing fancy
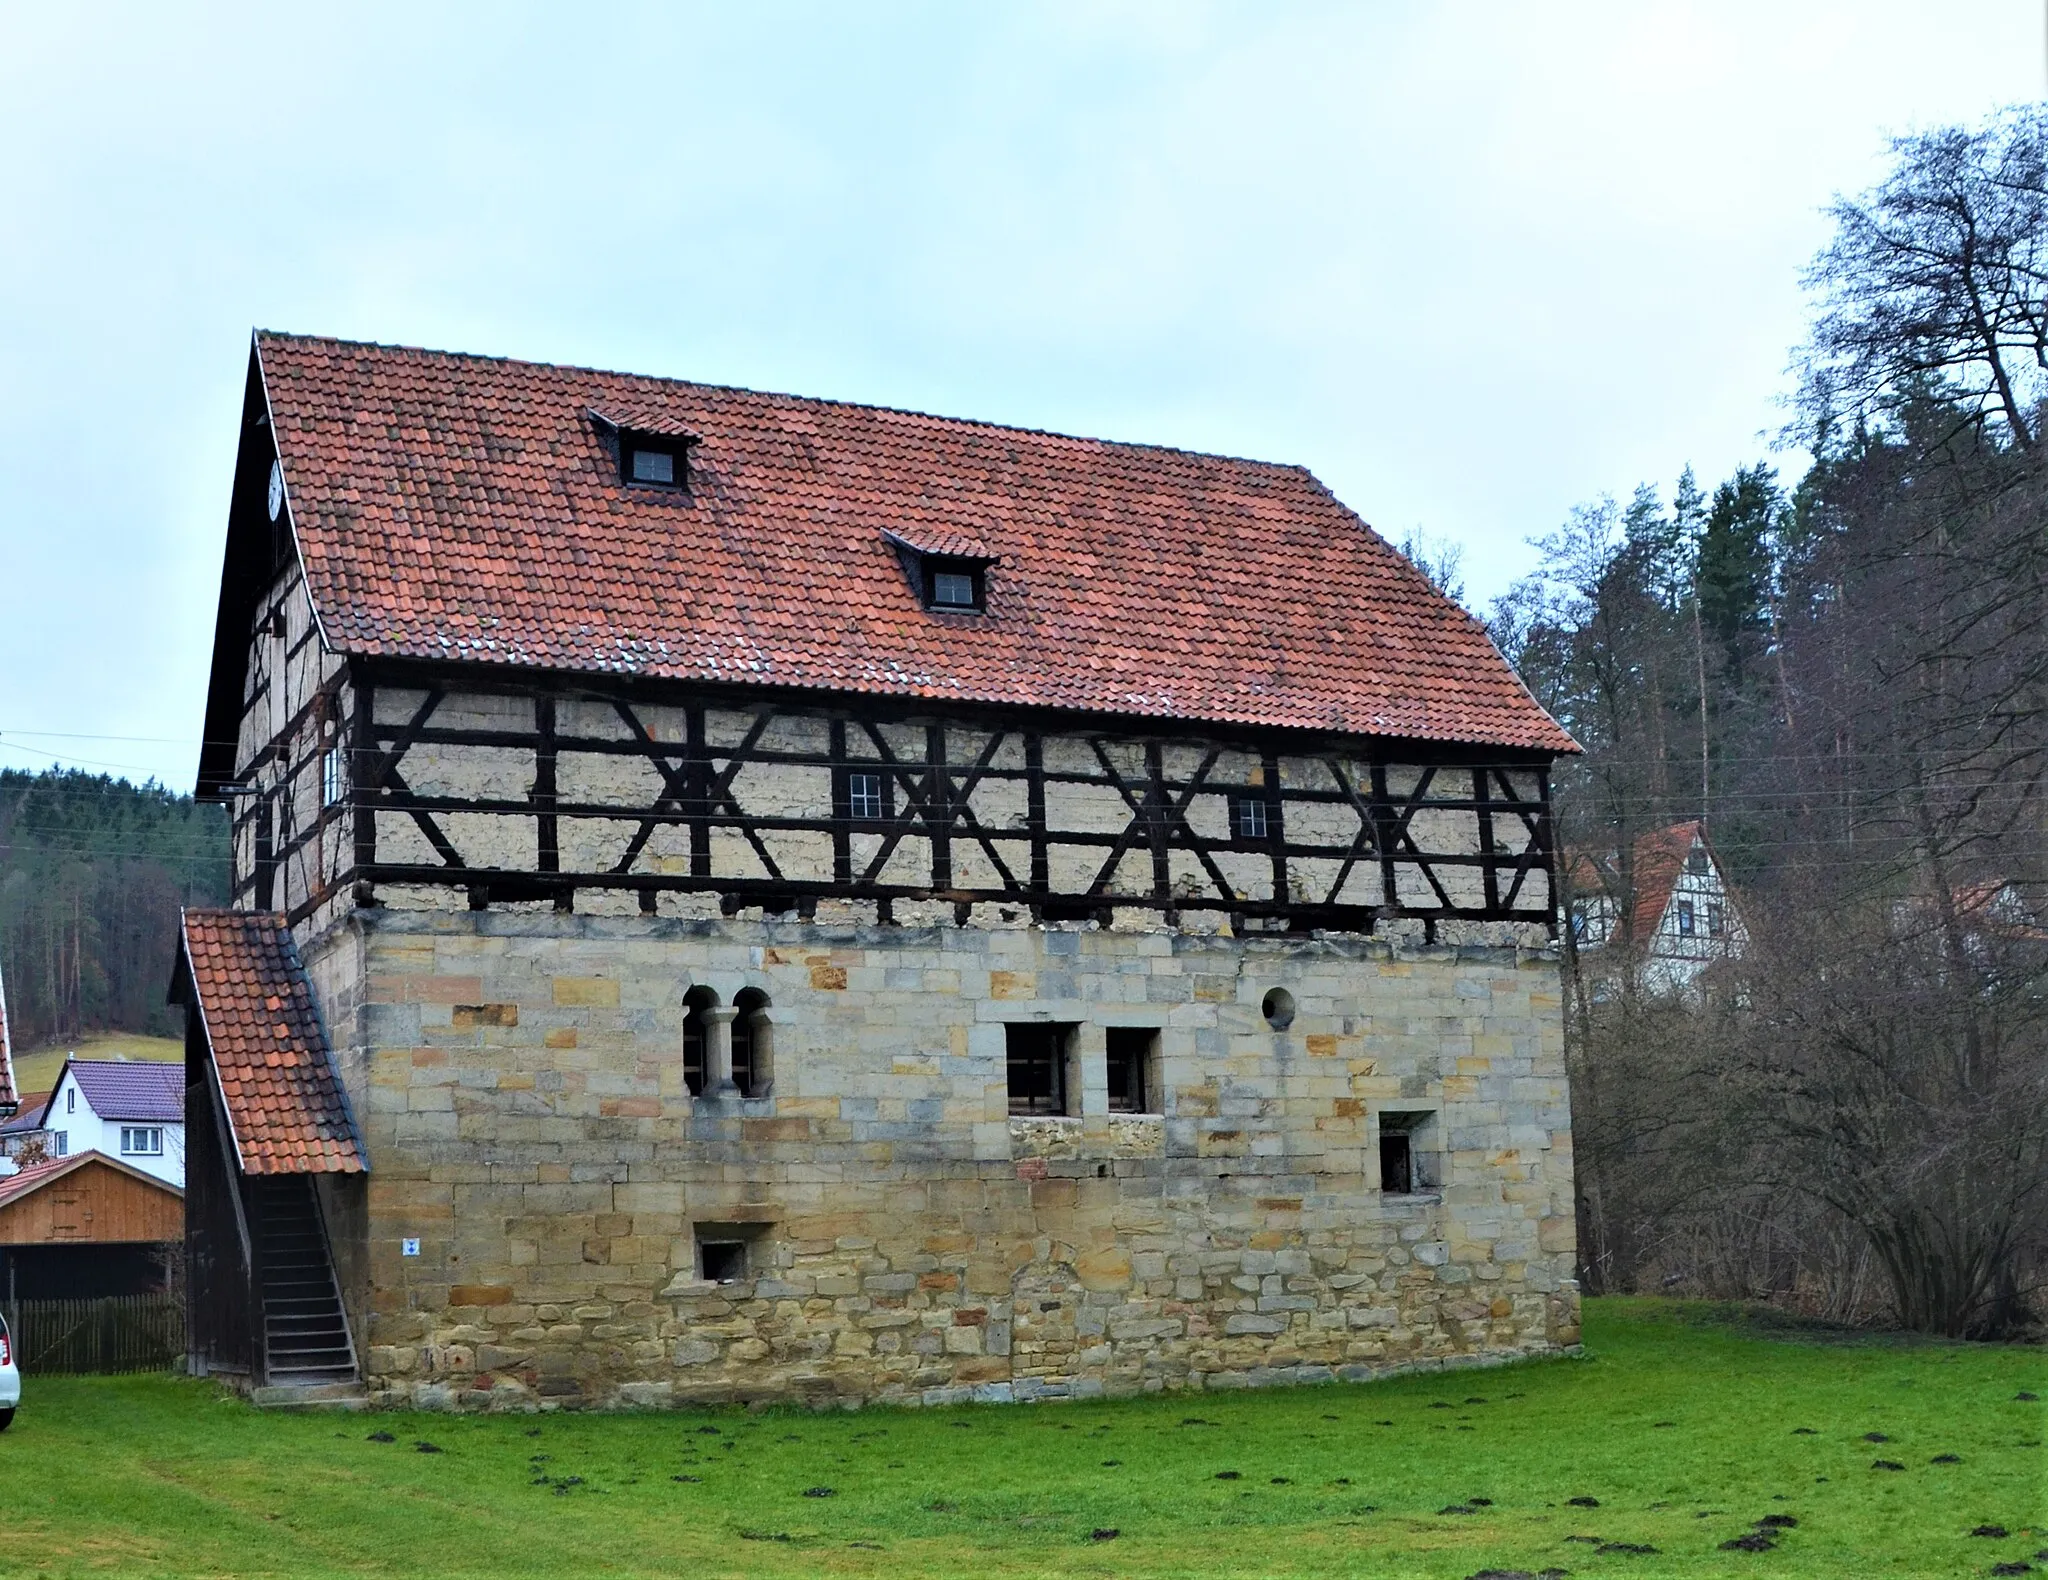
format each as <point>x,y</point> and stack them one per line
<point>469,507</point>
<point>285,1103</point>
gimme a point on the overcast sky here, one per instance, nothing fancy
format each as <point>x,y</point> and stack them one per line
<point>1471,263</point>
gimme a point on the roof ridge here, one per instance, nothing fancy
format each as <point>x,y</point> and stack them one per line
<point>785,395</point>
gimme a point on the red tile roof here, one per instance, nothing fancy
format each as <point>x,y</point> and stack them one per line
<point>1659,858</point>
<point>34,1177</point>
<point>284,1101</point>
<point>8,1095</point>
<point>461,507</point>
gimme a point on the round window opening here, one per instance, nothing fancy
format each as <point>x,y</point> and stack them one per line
<point>1278,1008</point>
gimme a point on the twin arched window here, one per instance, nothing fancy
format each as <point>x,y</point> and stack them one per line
<point>752,1050</point>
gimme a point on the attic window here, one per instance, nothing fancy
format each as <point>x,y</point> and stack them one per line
<point>654,466</point>
<point>954,590</point>
<point>652,451</point>
<point>652,463</point>
<point>954,585</point>
<point>1696,861</point>
<point>948,573</point>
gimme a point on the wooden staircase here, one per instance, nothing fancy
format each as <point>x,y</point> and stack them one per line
<point>306,1342</point>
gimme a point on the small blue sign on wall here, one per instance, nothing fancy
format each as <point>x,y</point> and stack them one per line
<point>408,1248</point>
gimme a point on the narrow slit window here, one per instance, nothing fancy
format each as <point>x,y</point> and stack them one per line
<point>697,1001</point>
<point>750,1071</point>
<point>334,777</point>
<point>1132,1062</point>
<point>1397,1163</point>
<point>1037,1069</point>
<point>1717,919</point>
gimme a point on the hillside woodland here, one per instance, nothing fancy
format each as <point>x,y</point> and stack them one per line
<point>93,872</point>
<point>1847,677</point>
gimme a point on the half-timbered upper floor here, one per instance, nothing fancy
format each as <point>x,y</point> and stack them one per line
<point>497,634</point>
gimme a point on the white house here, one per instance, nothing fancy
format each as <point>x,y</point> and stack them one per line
<point>1672,911</point>
<point>10,1099</point>
<point>133,1110</point>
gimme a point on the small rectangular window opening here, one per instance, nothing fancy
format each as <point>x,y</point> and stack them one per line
<point>953,590</point>
<point>864,800</point>
<point>1407,1166</point>
<point>1037,1068</point>
<point>722,1261</point>
<point>1397,1164</point>
<point>1696,861</point>
<point>1685,921</point>
<point>1248,816</point>
<point>1716,920</point>
<point>653,466</point>
<point>1132,1062</point>
<point>334,776</point>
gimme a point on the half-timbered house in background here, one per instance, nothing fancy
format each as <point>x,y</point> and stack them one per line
<point>1667,917</point>
<point>745,896</point>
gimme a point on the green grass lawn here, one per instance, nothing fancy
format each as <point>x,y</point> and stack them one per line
<point>38,1071</point>
<point>1686,1425</point>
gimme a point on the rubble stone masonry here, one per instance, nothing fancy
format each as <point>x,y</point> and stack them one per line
<point>519,1080</point>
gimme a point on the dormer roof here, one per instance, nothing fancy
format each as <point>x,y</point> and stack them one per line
<point>467,509</point>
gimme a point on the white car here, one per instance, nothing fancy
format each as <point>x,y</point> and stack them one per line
<point>10,1377</point>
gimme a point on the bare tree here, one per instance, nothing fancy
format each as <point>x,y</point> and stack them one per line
<point>1937,283</point>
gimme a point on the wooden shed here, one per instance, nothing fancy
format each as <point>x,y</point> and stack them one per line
<point>86,1226</point>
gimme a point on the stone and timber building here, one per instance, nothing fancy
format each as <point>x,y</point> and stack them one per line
<point>741,897</point>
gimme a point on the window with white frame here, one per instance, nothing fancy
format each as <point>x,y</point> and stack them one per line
<point>142,1141</point>
<point>334,776</point>
<point>865,800</point>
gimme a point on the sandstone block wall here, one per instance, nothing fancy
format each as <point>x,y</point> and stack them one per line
<point>520,1081</point>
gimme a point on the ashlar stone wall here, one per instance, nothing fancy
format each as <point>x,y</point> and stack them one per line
<point>520,1081</point>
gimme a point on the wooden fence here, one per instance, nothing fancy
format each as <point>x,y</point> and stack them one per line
<point>120,1333</point>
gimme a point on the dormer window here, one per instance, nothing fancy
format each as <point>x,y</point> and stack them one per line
<point>653,452</point>
<point>948,571</point>
<point>653,466</point>
<point>954,589</point>
<point>646,462</point>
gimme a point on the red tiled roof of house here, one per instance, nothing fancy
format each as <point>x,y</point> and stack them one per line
<point>285,1104</point>
<point>1659,858</point>
<point>36,1175</point>
<point>465,508</point>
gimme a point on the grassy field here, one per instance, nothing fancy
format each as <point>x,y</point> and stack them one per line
<point>38,1071</point>
<point>1681,1430</point>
